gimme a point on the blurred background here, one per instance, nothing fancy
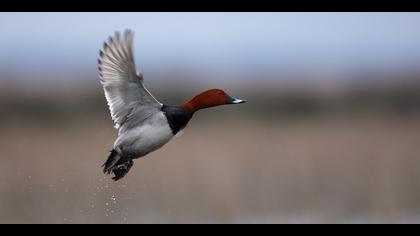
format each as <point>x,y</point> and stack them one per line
<point>330,133</point>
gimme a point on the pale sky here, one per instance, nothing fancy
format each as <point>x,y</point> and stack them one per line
<point>38,42</point>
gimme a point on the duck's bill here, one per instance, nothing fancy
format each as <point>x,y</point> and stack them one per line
<point>235,101</point>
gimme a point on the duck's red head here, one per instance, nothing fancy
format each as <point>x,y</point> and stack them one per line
<point>209,98</point>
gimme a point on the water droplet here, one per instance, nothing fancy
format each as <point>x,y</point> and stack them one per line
<point>114,199</point>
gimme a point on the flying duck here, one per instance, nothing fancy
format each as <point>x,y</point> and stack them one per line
<point>144,124</point>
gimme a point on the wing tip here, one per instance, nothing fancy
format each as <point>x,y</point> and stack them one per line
<point>113,41</point>
<point>128,32</point>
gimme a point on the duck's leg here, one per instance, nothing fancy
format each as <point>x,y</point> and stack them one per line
<point>121,170</point>
<point>113,159</point>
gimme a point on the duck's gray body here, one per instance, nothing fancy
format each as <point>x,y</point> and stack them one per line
<point>150,135</point>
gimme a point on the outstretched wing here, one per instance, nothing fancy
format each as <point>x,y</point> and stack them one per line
<point>128,100</point>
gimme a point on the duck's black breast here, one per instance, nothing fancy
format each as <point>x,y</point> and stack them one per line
<point>177,117</point>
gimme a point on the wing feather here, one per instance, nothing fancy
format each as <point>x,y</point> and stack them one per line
<point>129,101</point>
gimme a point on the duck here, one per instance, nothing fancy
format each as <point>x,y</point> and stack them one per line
<point>144,124</point>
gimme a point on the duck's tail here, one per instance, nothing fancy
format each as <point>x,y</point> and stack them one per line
<point>117,164</point>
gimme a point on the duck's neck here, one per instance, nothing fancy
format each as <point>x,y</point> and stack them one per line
<point>197,103</point>
<point>189,107</point>
<point>206,99</point>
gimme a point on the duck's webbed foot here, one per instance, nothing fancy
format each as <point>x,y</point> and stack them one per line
<point>121,170</point>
